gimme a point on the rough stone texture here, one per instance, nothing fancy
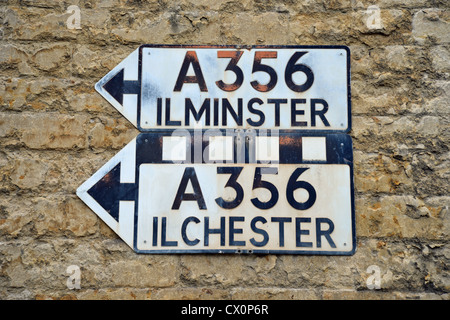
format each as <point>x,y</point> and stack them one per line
<point>56,131</point>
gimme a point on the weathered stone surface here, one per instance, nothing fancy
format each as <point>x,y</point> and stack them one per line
<point>196,293</point>
<point>56,131</point>
<point>246,28</point>
<point>403,217</point>
<point>432,24</point>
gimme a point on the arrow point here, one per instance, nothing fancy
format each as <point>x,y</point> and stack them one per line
<point>105,192</point>
<point>121,87</point>
<point>115,86</point>
<point>109,191</point>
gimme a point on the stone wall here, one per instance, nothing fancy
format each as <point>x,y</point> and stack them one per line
<point>56,131</point>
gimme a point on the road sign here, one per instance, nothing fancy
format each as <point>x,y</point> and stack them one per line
<point>227,191</point>
<point>160,87</point>
<point>242,149</point>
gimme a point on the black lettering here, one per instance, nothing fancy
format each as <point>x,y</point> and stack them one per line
<point>189,108</point>
<point>155,231</point>
<point>299,232</point>
<point>255,111</point>
<point>293,185</point>
<point>259,67</point>
<point>292,67</point>
<point>236,116</point>
<point>325,233</point>
<point>281,222</point>
<point>190,59</point>
<point>167,120</point>
<point>295,112</point>
<point>183,231</point>
<point>320,113</point>
<point>232,66</point>
<point>277,103</point>
<point>164,241</point>
<point>189,175</point>
<point>259,183</point>
<point>257,230</point>
<point>220,231</point>
<point>159,111</point>
<point>233,231</point>
<point>216,111</point>
<point>232,183</point>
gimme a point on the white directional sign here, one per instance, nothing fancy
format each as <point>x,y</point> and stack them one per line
<point>295,195</point>
<point>259,87</point>
<point>241,150</point>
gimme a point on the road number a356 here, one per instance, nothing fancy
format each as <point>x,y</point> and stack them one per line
<point>293,183</point>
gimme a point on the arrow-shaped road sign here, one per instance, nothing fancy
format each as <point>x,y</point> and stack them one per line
<point>121,88</point>
<point>261,87</point>
<point>111,192</point>
<point>291,193</point>
<point>270,170</point>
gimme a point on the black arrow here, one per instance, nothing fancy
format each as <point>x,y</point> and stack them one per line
<point>117,87</point>
<point>108,191</point>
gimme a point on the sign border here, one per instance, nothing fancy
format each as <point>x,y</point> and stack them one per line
<point>343,160</point>
<point>249,47</point>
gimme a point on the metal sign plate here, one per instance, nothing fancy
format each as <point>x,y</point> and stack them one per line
<point>218,191</point>
<point>303,88</point>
